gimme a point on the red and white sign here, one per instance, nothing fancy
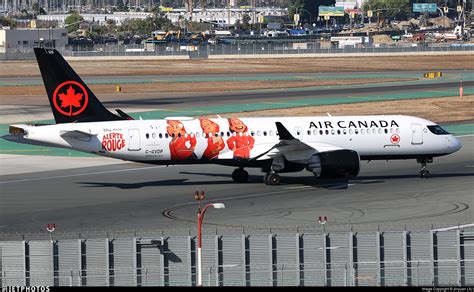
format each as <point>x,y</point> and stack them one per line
<point>113,141</point>
<point>322,219</point>
<point>395,139</point>
<point>50,227</point>
<point>70,98</point>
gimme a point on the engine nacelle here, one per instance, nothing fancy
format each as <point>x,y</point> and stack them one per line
<point>338,163</point>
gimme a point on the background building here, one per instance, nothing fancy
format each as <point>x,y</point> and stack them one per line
<point>24,40</point>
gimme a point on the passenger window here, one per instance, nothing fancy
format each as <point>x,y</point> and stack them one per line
<point>362,131</point>
<point>386,131</point>
<point>321,132</point>
<point>345,132</point>
<point>147,135</point>
<point>339,132</point>
<point>398,130</point>
<point>351,131</point>
<point>327,132</point>
<point>271,133</point>
<point>315,132</point>
<point>166,135</point>
<point>380,131</point>
<point>258,133</point>
<point>251,133</point>
<point>160,135</point>
<point>333,132</point>
<point>264,133</point>
<point>374,131</point>
<point>309,132</point>
<point>153,136</point>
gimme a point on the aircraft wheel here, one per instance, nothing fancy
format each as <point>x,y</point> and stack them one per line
<point>425,174</point>
<point>272,179</point>
<point>240,176</point>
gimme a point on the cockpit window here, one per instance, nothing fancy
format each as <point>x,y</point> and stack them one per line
<point>437,130</point>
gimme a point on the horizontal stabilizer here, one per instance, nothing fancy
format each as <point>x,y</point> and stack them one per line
<point>76,134</point>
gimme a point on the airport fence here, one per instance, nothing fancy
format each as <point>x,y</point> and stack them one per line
<point>404,258</point>
<point>255,49</point>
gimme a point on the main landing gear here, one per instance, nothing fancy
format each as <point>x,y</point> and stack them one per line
<point>424,173</point>
<point>271,178</point>
<point>240,175</point>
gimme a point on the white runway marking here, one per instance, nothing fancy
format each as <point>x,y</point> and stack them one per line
<point>80,174</point>
<point>454,227</point>
<point>468,135</point>
<point>300,187</point>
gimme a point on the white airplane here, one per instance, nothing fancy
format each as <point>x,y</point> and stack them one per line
<point>327,146</point>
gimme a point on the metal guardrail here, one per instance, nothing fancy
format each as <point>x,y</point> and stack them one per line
<point>238,49</point>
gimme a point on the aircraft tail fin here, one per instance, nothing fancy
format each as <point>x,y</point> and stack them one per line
<point>70,98</point>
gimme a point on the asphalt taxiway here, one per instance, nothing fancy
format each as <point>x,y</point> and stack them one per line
<point>137,196</point>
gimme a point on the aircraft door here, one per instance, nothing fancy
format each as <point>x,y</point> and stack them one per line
<point>417,134</point>
<point>134,140</point>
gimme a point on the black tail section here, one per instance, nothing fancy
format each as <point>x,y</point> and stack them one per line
<point>70,98</point>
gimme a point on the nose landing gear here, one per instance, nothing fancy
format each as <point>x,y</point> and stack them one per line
<point>424,173</point>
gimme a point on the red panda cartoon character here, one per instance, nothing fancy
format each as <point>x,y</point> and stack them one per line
<point>240,142</point>
<point>215,143</point>
<point>182,144</point>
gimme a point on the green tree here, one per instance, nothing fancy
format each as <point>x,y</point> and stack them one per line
<point>7,21</point>
<point>399,9</point>
<point>72,22</point>
<point>96,31</point>
<point>38,10</point>
<point>295,6</point>
<point>246,21</point>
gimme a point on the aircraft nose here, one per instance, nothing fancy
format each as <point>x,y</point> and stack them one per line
<point>455,144</point>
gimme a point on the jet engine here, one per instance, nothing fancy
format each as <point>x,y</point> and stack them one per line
<point>338,163</point>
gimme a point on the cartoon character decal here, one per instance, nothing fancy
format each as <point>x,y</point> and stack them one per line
<point>182,144</point>
<point>215,143</point>
<point>240,143</point>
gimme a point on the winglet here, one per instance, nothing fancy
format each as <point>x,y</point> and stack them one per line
<point>283,132</point>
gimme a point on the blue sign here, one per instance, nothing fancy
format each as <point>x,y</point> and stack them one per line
<point>424,7</point>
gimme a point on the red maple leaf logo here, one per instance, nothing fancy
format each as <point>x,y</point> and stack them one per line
<point>74,97</point>
<point>395,139</point>
<point>71,98</point>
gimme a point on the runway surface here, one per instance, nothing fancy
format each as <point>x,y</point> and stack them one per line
<point>36,107</point>
<point>136,196</point>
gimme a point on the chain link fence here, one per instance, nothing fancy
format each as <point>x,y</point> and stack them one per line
<point>251,49</point>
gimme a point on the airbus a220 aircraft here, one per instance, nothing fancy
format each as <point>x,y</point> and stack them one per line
<point>327,146</point>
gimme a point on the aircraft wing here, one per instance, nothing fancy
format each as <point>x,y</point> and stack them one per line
<point>293,149</point>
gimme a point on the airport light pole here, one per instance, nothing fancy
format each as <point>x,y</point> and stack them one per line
<point>200,217</point>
